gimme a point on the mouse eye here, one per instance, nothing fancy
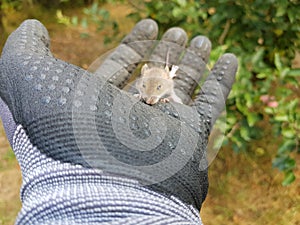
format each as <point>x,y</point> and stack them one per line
<point>144,85</point>
<point>158,87</point>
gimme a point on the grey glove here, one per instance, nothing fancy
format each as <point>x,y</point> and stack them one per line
<point>73,116</point>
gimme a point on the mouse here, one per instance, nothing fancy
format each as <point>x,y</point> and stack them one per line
<point>157,84</point>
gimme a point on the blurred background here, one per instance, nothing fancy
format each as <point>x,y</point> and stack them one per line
<point>255,177</point>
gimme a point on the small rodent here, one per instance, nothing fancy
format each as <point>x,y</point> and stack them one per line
<point>157,84</point>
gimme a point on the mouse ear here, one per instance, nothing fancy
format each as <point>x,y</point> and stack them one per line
<point>144,68</point>
<point>173,71</point>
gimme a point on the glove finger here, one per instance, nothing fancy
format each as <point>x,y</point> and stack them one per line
<point>192,67</point>
<point>169,48</point>
<point>145,30</point>
<point>31,36</point>
<point>211,99</point>
<point>121,63</point>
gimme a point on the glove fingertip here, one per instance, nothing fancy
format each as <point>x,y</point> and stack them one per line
<point>146,29</point>
<point>176,35</point>
<point>201,45</point>
<point>225,69</point>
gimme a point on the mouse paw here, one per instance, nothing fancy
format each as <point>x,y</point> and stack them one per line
<point>165,100</point>
<point>139,96</point>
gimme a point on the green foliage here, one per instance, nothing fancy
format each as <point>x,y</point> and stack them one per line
<point>61,3</point>
<point>187,14</point>
<point>93,15</point>
<point>8,159</point>
<point>12,3</point>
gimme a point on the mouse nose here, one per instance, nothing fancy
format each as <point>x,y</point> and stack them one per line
<point>152,100</point>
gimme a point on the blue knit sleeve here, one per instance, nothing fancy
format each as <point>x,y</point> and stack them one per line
<point>60,193</point>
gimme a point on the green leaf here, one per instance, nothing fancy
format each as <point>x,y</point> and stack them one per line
<point>182,3</point>
<point>249,99</point>
<point>104,13</point>
<point>277,61</point>
<point>134,16</point>
<point>86,11</point>
<point>261,75</point>
<point>231,120</point>
<point>225,141</point>
<point>62,18</point>
<point>288,133</point>
<point>294,73</point>
<point>284,72</point>
<point>258,56</point>
<point>287,146</point>
<point>94,8</point>
<point>84,35</point>
<point>84,23</point>
<point>74,20</point>
<point>176,12</point>
<point>291,16</point>
<point>252,118</point>
<point>283,163</point>
<point>292,80</point>
<point>269,110</point>
<point>281,10</point>
<point>293,104</point>
<point>239,142</point>
<point>115,26</point>
<point>107,40</point>
<point>245,134</point>
<point>281,118</point>
<point>289,178</point>
<point>240,103</point>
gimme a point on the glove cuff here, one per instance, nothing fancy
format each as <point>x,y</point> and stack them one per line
<point>56,192</point>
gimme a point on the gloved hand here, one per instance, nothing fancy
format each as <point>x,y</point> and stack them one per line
<point>75,119</point>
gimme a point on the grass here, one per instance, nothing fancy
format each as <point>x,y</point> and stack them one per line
<point>246,190</point>
<point>10,181</point>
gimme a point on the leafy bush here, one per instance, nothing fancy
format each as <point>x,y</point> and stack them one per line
<point>96,15</point>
